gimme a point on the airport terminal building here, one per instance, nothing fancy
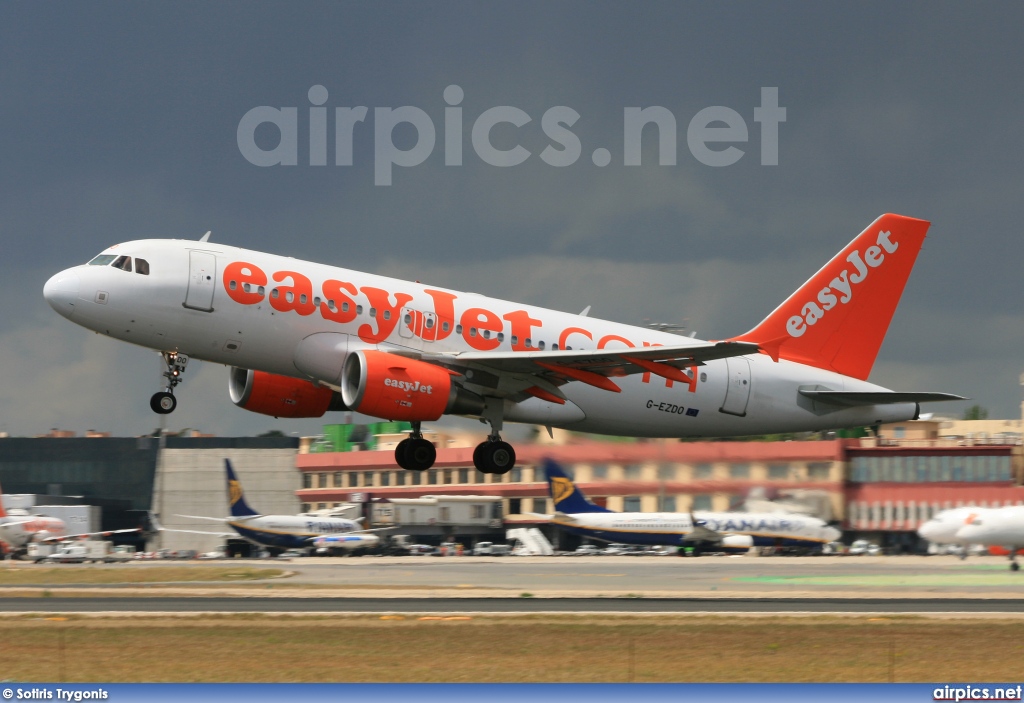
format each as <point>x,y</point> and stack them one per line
<point>131,478</point>
<point>880,488</point>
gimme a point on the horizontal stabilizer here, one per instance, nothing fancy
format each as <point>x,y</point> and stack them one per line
<point>855,398</point>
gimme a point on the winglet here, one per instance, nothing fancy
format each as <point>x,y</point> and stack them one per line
<point>567,498</point>
<point>206,237</point>
<point>236,498</point>
<point>838,318</point>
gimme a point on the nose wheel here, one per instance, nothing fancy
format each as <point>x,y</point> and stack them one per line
<point>164,402</point>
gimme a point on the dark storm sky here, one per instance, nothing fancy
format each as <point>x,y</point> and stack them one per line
<point>118,121</point>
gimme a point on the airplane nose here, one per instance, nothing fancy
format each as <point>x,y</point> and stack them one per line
<point>61,292</point>
<point>926,531</point>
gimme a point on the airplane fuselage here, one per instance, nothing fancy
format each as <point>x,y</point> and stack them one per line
<point>290,531</point>
<point>18,530</point>
<point>765,529</point>
<point>295,318</point>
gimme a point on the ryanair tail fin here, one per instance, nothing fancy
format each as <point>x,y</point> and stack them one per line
<point>565,495</point>
<point>838,318</point>
<point>236,499</point>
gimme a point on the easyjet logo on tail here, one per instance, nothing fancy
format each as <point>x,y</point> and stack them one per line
<point>840,289</point>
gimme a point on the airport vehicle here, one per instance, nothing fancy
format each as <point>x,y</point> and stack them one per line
<point>703,531</point>
<point>490,549</point>
<point>280,532</point>
<point>19,529</point>
<point>80,552</point>
<point>303,338</point>
<point>587,550</point>
<point>999,529</point>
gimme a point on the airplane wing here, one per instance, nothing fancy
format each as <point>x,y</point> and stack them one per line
<point>86,535</point>
<point>511,373</point>
<point>852,399</point>
<point>700,533</point>
<point>219,519</point>
<point>199,532</point>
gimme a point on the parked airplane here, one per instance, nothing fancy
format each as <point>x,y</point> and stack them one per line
<point>998,529</point>
<point>944,526</point>
<point>280,532</point>
<point>302,338</point>
<point>18,527</point>
<point>575,514</point>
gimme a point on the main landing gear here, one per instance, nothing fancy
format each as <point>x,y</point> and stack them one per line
<point>415,453</point>
<point>1014,566</point>
<point>494,456</point>
<point>164,403</point>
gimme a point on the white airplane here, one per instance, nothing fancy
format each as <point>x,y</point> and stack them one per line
<point>999,529</point>
<point>944,526</point>
<point>702,531</point>
<point>19,527</point>
<point>303,338</point>
<point>281,532</point>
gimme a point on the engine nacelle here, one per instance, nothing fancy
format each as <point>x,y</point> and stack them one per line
<point>280,396</point>
<point>395,388</point>
<point>737,542</point>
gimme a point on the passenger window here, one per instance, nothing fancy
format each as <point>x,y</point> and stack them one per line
<point>142,266</point>
<point>387,314</point>
<point>232,285</point>
<point>102,260</point>
<point>344,306</point>
<point>123,262</point>
<point>359,309</point>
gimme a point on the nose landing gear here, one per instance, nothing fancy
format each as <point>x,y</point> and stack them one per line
<point>164,402</point>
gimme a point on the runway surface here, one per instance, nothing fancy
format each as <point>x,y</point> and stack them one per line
<point>547,584</point>
<point>508,605</point>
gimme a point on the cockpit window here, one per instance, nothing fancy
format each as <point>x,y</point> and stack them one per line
<point>123,262</point>
<point>102,259</point>
<point>142,266</point>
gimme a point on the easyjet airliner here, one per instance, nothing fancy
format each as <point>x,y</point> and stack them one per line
<point>303,338</point>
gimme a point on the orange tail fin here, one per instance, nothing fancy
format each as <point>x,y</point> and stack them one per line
<point>3,513</point>
<point>838,318</point>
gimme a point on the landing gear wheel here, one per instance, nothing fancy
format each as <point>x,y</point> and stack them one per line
<point>494,457</point>
<point>477,461</point>
<point>163,403</point>
<point>400,451</point>
<point>420,454</point>
<point>1014,566</point>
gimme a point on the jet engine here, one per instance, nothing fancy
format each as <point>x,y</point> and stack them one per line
<point>395,388</point>
<point>280,396</point>
<point>737,542</point>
